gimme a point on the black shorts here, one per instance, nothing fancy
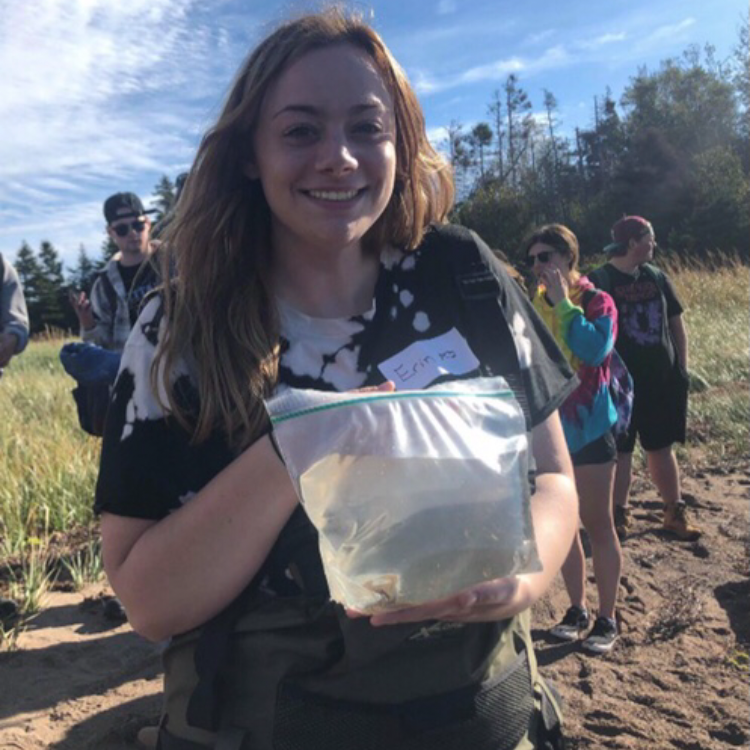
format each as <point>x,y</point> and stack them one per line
<point>600,451</point>
<point>659,414</point>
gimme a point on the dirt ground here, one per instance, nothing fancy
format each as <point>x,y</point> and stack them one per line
<point>677,679</point>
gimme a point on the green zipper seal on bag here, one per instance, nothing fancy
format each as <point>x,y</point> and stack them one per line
<point>386,396</point>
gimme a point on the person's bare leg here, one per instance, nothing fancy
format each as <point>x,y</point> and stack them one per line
<point>665,474</point>
<point>574,573</point>
<point>623,478</point>
<point>595,483</point>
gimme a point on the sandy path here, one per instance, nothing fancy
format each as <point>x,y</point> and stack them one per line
<point>678,679</point>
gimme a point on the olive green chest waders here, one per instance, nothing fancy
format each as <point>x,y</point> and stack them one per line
<point>299,675</point>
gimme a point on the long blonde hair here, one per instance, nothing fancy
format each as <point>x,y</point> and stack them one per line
<point>220,306</point>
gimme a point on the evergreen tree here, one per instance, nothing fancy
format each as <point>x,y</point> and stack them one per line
<point>495,110</point>
<point>165,196</point>
<point>479,140</point>
<point>517,106</point>
<point>108,250</point>
<point>52,291</point>
<point>81,276</point>
<point>741,80</point>
<point>459,157</point>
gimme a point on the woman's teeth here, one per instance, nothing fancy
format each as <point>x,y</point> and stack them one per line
<point>333,195</point>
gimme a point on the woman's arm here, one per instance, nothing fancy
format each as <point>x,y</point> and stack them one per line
<point>590,340</point>
<point>554,508</point>
<point>175,574</point>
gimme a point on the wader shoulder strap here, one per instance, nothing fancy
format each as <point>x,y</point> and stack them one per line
<point>474,270</point>
<point>211,651</point>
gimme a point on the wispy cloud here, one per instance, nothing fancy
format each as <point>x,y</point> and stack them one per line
<point>601,41</point>
<point>554,57</point>
<point>445,7</point>
<point>437,136</point>
<point>447,39</point>
<point>540,36</point>
<point>669,31</point>
<point>599,47</point>
<point>93,96</point>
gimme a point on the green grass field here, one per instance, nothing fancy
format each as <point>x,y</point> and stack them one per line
<point>718,323</point>
<point>48,465</point>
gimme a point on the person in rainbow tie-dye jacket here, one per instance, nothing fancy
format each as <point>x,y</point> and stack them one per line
<point>583,321</point>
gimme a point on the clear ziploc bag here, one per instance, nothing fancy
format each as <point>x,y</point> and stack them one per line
<point>415,494</point>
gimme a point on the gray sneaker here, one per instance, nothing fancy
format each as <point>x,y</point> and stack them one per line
<point>570,628</point>
<point>602,637</point>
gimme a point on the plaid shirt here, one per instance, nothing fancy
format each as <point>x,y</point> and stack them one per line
<point>113,323</point>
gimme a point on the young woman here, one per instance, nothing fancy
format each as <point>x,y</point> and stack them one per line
<point>584,323</point>
<point>308,250</point>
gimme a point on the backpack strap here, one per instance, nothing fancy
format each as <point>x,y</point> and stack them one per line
<point>601,279</point>
<point>479,290</point>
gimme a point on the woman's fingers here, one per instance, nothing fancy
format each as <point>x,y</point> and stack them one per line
<point>482,603</point>
<point>438,610</point>
<point>387,387</point>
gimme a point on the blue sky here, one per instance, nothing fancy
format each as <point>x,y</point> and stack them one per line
<point>98,96</point>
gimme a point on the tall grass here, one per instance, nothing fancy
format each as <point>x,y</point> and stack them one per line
<point>715,296</point>
<point>47,463</point>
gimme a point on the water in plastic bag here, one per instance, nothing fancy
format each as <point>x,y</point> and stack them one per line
<point>416,494</point>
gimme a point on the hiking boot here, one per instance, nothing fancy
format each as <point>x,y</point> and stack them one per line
<point>602,636</point>
<point>676,522</point>
<point>570,628</point>
<point>622,522</point>
<point>8,611</point>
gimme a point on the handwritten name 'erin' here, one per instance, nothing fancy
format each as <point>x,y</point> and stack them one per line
<point>406,372</point>
<point>427,360</point>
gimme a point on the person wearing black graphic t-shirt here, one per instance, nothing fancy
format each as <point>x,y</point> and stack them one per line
<point>652,341</point>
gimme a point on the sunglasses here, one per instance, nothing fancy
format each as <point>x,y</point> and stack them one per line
<point>542,257</point>
<point>122,230</point>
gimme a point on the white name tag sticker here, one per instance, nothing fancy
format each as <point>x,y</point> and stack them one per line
<point>425,361</point>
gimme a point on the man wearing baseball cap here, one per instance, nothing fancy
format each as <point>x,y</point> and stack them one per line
<point>107,317</point>
<point>652,341</point>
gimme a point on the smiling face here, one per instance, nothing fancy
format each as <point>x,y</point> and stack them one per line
<point>325,150</point>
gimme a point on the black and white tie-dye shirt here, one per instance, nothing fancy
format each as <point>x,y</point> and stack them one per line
<point>419,317</point>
